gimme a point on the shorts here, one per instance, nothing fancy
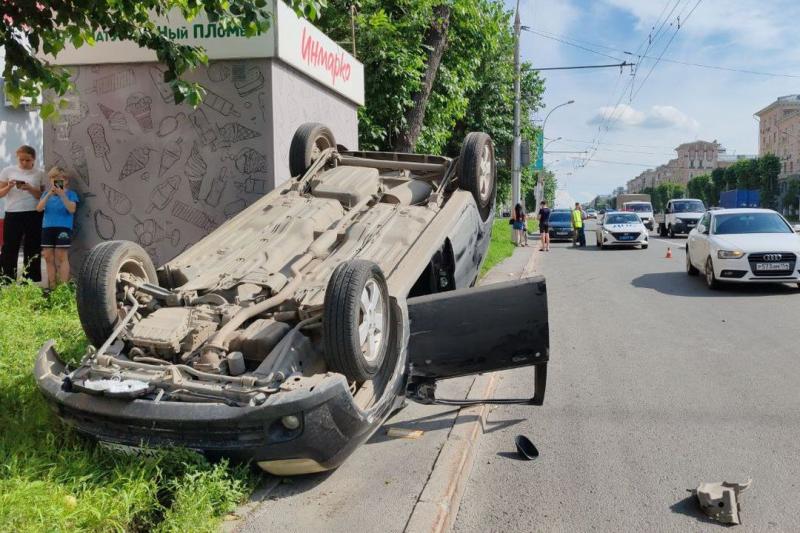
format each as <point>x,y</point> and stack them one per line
<point>519,225</point>
<point>544,228</point>
<point>56,237</point>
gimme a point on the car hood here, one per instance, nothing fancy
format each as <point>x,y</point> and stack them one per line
<point>623,227</point>
<point>689,216</point>
<point>759,242</point>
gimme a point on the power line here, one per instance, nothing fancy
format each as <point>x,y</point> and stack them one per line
<point>620,65</point>
<point>619,163</point>
<point>619,144</point>
<point>565,39</point>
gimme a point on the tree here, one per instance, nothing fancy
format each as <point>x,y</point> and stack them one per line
<point>696,187</point>
<point>664,193</point>
<point>473,87</point>
<point>48,26</point>
<point>769,167</point>
<point>791,196</point>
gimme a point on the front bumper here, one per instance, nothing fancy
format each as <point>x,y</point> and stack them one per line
<point>566,234</point>
<point>742,270</point>
<point>608,239</point>
<point>684,228</point>
<point>331,425</point>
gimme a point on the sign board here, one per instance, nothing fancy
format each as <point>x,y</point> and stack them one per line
<point>539,143</point>
<point>290,38</point>
<point>525,154</point>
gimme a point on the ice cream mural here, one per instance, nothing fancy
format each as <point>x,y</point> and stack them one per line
<point>164,174</point>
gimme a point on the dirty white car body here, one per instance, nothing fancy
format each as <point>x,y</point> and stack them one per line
<point>288,335</point>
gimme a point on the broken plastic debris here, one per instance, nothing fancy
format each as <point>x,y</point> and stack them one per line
<point>400,433</point>
<point>525,448</point>
<point>720,500</point>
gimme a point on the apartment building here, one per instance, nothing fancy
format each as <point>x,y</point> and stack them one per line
<point>694,158</point>
<point>779,134</point>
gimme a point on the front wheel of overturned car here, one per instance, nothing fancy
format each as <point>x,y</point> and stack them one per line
<point>97,291</point>
<point>477,171</point>
<point>355,327</point>
<point>308,142</point>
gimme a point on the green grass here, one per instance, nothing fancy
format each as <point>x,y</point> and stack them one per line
<point>52,479</point>
<point>502,244</point>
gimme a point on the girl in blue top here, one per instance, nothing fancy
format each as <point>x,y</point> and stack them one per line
<point>59,205</point>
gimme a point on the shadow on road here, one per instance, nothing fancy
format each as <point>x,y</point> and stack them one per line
<point>690,507</point>
<point>512,455</point>
<point>679,284</point>
<point>497,425</point>
<point>443,420</point>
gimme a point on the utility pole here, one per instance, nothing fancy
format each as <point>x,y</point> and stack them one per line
<point>515,153</point>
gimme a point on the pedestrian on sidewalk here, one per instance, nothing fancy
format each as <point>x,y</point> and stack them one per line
<point>578,216</point>
<point>520,226</point>
<point>544,226</point>
<point>58,205</point>
<point>21,186</point>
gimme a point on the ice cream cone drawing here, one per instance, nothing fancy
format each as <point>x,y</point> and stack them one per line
<point>104,226</point>
<point>248,161</point>
<point>195,170</point>
<point>219,104</point>
<point>97,136</point>
<point>217,188</point>
<point>203,127</point>
<point>149,232</point>
<point>171,154</point>
<point>233,132</point>
<point>117,201</point>
<point>164,193</point>
<point>79,161</point>
<point>218,72</point>
<point>139,105</point>
<point>170,124</point>
<point>116,119</point>
<point>137,160</point>
<point>157,75</point>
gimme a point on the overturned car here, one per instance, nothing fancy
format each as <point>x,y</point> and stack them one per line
<point>287,336</point>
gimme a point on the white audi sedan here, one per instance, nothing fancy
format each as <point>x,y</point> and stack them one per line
<point>621,229</point>
<point>743,246</point>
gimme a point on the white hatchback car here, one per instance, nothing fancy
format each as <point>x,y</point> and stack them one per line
<point>743,246</point>
<point>621,229</point>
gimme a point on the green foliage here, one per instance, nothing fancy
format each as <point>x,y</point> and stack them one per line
<point>664,193</point>
<point>502,245</point>
<point>703,187</point>
<point>474,88</point>
<point>769,167</point>
<point>48,27</point>
<point>51,479</point>
<point>792,195</point>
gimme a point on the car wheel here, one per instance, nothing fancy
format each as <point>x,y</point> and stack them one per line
<point>355,326</point>
<point>308,142</point>
<point>644,246</point>
<point>477,170</point>
<point>711,279</point>
<point>690,268</point>
<point>97,289</point>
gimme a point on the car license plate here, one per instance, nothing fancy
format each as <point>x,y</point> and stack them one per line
<point>772,266</point>
<point>562,232</point>
<point>626,238</point>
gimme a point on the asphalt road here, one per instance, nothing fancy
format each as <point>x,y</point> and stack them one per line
<point>656,384</point>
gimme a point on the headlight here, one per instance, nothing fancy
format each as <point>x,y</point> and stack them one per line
<point>729,254</point>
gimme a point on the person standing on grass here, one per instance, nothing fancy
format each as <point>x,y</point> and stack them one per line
<point>520,227</point>
<point>577,224</point>
<point>544,226</point>
<point>21,186</point>
<point>59,205</point>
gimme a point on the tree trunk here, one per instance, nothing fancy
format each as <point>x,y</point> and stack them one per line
<point>435,42</point>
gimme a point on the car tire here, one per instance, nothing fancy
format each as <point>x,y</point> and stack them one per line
<point>347,326</point>
<point>308,142</point>
<point>671,231</point>
<point>477,171</point>
<point>711,278</point>
<point>96,288</point>
<point>690,268</point>
<point>644,246</point>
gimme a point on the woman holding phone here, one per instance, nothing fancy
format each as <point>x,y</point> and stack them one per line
<point>59,205</point>
<point>21,186</point>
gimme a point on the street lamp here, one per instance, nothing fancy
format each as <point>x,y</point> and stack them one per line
<point>551,112</point>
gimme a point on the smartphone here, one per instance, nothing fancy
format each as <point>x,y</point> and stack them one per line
<point>59,183</point>
<point>18,183</point>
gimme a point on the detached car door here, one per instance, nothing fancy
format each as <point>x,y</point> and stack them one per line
<point>481,329</point>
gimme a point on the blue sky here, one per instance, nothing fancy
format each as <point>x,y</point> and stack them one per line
<point>676,103</point>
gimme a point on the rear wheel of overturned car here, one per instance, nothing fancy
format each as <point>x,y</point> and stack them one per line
<point>308,143</point>
<point>98,288</point>
<point>355,327</point>
<point>477,171</point>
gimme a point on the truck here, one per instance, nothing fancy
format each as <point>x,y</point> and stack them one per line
<point>680,216</point>
<point>740,198</point>
<point>639,204</point>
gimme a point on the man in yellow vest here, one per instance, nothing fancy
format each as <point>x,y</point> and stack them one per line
<point>577,224</point>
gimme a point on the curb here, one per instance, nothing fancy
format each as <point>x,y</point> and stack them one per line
<point>438,504</point>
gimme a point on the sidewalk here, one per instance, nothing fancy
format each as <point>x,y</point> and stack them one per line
<point>388,484</point>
